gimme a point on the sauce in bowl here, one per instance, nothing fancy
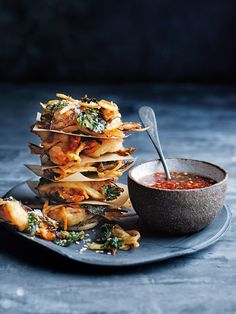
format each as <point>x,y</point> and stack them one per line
<point>179,181</point>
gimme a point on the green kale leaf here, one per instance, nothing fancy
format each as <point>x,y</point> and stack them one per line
<point>58,106</point>
<point>109,242</point>
<point>92,120</point>
<point>97,210</point>
<point>113,243</point>
<point>111,191</point>
<point>106,231</point>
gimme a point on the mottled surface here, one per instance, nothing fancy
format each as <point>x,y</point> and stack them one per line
<point>195,122</point>
<point>162,40</point>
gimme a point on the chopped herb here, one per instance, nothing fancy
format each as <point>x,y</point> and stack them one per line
<point>108,241</point>
<point>95,209</point>
<point>65,238</point>
<point>113,243</point>
<point>92,120</point>
<point>33,221</point>
<point>60,105</point>
<point>106,231</point>
<point>111,191</point>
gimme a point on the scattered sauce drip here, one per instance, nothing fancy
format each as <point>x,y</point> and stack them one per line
<point>179,181</point>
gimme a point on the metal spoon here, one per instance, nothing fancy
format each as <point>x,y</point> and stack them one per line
<point>147,116</point>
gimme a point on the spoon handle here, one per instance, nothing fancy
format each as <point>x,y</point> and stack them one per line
<point>147,116</point>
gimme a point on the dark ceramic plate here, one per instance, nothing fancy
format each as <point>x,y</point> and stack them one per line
<point>153,247</point>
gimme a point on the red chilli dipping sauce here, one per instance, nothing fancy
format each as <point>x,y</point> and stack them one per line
<point>179,181</point>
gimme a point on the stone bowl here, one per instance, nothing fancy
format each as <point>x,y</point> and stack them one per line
<point>177,211</point>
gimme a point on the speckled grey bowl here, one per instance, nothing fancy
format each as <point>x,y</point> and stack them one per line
<point>177,211</point>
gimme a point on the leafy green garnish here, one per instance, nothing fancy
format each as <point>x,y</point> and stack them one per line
<point>106,231</point>
<point>60,105</point>
<point>111,191</point>
<point>92,120</point>
<point>65,238</point>
<point>33,221</point>
<point>97,210</point>
<point>113,243</point>
<point>109,242</point>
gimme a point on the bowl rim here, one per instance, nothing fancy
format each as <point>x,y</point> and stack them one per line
<point>226,175</point>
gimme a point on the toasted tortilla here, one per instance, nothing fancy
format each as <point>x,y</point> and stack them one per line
<point>36,129</point>
<point>117,202</point>
<point>78,176</point>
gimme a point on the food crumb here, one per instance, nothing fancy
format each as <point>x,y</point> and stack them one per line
<point>83,249</point>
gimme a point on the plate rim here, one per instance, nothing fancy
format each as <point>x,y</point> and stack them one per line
<point>182,252</point>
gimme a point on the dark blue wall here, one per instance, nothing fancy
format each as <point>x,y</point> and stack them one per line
<point>141,40</point>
